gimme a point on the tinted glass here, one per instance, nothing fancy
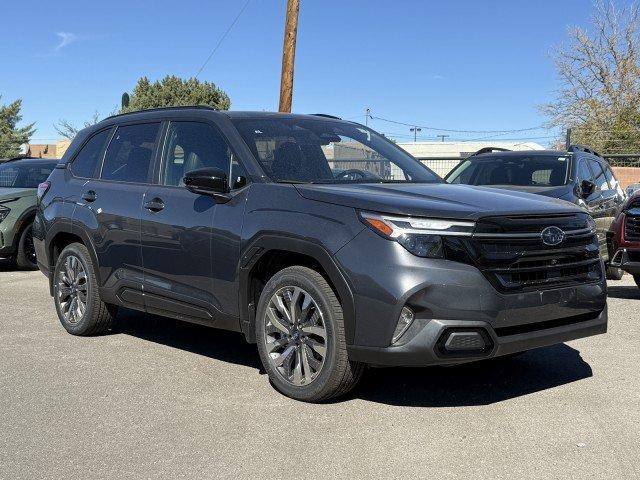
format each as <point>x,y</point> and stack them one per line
<point>299,149</point>
<point>190,146</point>
<point>583,172</point>
<point>130,153</point>
<point>24,175</point>
<point>530,171</point>
<point>85,163</point>
<point>611,180</point>
<point>599,179</point>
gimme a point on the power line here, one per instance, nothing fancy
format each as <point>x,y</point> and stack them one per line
<point>540,127</point>
<point>224,35</point>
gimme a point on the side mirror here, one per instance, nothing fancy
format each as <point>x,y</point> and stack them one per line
<point>587,187</point>
<point>208,181</point>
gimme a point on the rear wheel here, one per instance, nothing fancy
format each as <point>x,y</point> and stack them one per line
<point>75,290</point>
<point>26,255</point>
<point>300,334</point>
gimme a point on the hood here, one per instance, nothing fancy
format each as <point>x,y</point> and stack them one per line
<point>9,193</point>
<point>438,200</point>
<point>563,191</point>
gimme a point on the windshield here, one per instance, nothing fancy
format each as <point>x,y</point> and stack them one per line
<point>528,171</point>
<point>24,175</point>
<point>303,150</point>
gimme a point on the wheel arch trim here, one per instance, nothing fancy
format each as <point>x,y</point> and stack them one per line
<point>263,244</point>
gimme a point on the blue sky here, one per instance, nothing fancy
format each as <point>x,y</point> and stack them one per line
<point>464,65</point>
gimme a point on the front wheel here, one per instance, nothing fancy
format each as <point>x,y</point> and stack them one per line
<point>301,340</point>
<point>26,255</point>
<point>614,273</point>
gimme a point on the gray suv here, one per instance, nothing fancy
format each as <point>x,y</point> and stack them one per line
<point>317,238</point>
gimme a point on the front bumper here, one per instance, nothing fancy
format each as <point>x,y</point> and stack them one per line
<point>449,297</point>
<point>423,349</point>
<point>628,259</point>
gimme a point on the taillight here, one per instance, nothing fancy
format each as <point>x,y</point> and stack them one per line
<point>42,189</point>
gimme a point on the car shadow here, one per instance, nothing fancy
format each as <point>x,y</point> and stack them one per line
<point>479,383</point>
<point>7,265</point>
<point>474,384</point>
<point>209,342</point>
<point>625,293</point>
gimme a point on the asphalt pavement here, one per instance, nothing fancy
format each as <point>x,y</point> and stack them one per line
<point>157,398</point>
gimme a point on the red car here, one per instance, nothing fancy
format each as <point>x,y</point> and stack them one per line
<point>624,238</point>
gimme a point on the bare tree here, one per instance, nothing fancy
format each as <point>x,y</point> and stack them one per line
<point>599,74</point>
<point>68,130</point>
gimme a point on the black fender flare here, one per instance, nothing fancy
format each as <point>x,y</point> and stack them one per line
<point>70,228</point>
<point>265,243</point>
<point>24,219</point>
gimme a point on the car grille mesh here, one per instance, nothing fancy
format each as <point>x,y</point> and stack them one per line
<point>524,262</point>
<point>632,224</point>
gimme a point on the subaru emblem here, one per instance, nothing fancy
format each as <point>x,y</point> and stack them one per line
<point>552,236</point>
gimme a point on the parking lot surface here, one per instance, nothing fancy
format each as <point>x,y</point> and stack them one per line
<point>158,398</point>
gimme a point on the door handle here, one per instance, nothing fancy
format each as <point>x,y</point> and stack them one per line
<point>89,196</point>
<point>155,205</point>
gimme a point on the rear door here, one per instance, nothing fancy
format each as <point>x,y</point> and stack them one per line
<point>115,199</point>
<point>180,233</point>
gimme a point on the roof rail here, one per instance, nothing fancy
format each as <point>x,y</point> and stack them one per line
<point>325,115</point>
<point>13,159</point>
<point>159,109</point>
<point>489,150</point>
<point>583,148</point>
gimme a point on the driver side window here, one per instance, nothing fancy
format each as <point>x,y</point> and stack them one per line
<point>191,146</point>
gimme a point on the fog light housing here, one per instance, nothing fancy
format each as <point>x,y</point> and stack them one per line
<point>404,322</point>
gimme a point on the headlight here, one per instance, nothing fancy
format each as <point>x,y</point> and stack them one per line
<point>4,212</point>
<point>421,236</point>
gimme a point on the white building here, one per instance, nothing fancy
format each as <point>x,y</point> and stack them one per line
<point>441,157</point>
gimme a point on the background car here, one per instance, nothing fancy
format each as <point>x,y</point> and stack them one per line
<point>19,179</point>
<point>624,238</point>
<point>579,175</point>
<point>633,188</point>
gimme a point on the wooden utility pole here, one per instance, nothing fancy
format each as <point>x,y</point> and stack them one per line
<point>289,55</point>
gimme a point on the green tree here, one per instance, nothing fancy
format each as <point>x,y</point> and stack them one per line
<point>599,75</point>
<point>172,91</point>
<point>624,136</point>
<point>12,137</point>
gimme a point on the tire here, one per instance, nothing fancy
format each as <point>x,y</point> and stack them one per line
<point>74,277</point>
<point>334,374</point>
<point>26,255</point>
<point>614,273</point>
<point>637,279</point>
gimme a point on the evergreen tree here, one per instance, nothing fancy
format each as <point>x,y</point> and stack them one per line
<point>173,91</point>
<point>12,137</point>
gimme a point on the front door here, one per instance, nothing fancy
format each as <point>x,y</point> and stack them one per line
<point>178,227</point>
<point>113,202</point>
<point>605,208</point>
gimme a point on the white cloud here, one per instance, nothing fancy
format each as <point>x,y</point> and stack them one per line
<point>66,39</point>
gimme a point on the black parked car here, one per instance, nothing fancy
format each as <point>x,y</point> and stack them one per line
<point>580,176</point>
<point>319,239</point>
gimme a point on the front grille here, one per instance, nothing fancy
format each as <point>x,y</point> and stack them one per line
<point>632,224</point>
<point>510,253</point>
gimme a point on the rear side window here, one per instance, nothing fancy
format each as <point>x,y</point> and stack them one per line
<point>85,163</point>
<point>129,155</point>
